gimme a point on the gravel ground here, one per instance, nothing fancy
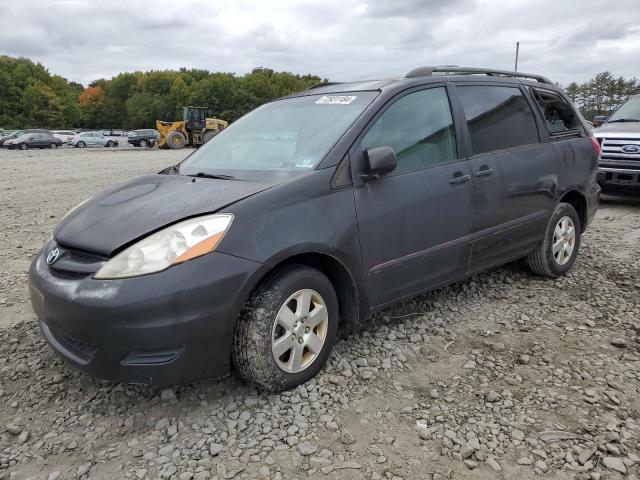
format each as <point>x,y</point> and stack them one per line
<point>505,375</point>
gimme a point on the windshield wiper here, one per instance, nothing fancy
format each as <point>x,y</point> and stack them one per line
<point>213,175</point>
<point>624,120</point>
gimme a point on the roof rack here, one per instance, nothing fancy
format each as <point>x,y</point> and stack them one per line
<point>322,84</point>
<point>455,70</point>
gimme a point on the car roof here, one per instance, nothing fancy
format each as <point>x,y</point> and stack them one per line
<point>426,75</point>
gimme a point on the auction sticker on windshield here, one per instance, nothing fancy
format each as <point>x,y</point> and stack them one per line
<point>336,99</point>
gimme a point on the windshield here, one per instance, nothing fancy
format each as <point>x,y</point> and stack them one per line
<point>279,139</point>
<point>629,111</point>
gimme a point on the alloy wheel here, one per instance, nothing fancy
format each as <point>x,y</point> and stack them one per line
<point>564,240</point>
<point>299,331</point>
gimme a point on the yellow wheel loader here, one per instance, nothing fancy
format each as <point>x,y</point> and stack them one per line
<point>194,129</point>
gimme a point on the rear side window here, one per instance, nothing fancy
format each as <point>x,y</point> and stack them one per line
<point>418,127</point>
<point>498,117</point>
<point>558,114</point>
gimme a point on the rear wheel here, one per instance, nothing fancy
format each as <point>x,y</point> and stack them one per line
<point>176,140</point>
<point>559,249</point>
<point>142,143</point>
<point>208,136</point>
<point>287,329</point>
<point>53,145</point>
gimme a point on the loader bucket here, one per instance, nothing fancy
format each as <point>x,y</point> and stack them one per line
<point>165,128</point>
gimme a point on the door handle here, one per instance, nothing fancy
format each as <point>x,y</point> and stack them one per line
<point>458,177</point>
<point>484,171</point>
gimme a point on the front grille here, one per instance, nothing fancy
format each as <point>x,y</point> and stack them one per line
<point>153,357</point>
<point>79,347</point>
<point>68,274</point>
<point>83,351</point>
<point>612,152</point>
<point>74,264</point>
<point>622,166</point>
<point>84,256</point>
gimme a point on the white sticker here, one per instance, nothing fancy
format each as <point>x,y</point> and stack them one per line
<point>305,163</point>
<point>336,99</point>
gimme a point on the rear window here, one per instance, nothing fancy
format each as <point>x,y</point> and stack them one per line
<point>559,117</point>
<point>498,117</point>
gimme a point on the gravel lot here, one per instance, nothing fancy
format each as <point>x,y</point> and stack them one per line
<point>505,375</point>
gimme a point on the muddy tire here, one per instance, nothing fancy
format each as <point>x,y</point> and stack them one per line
<point>176,140</point>
<point>559,249</point>
<point>286,329</point>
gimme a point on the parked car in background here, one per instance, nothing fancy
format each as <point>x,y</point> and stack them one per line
<point>143,138</point>
<point>19,133</point>
<point>65,135</point>
<point>33,140</point>
<point>316,210</point>
<point>619,137</point>
<point>92,139</point>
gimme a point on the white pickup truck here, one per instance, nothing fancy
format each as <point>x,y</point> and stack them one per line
<point>619,137</point>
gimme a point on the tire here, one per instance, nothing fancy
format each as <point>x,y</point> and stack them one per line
<point>176,140</point>
<point>81,144</point>
<point>142,143</point>
<point>151,143</point>
<point>261,323</point>
<point>23,146</point>
<point>562,235</point>
<point>110,144</point>
<point>53,146</point>
<point>208,136</point>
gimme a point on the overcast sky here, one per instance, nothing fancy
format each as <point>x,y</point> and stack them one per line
<point>339,39</point>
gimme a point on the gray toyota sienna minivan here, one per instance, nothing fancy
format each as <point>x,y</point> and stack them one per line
<point>311,212</point>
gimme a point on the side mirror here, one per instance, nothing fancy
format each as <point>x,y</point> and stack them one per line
<point>379,161</point>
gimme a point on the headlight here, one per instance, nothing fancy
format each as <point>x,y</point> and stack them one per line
<point>172,245</point>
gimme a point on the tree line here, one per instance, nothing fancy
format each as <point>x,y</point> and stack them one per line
<point>32,97</point>
<point>602,94</point>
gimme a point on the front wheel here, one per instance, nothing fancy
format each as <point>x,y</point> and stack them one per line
<point>287,329</point>
<point>24,146</point>
<point>176,140</point>
<point>142,143</point>
<point>110,144</point>
<point>559,249</point>
<point>81,145</point>
<point>53,146</point>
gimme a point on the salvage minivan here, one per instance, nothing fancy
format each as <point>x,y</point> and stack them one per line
<point>310,213</point>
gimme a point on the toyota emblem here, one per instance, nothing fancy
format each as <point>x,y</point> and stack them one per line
<point>53,255</point>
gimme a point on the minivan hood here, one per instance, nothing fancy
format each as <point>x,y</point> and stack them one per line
<point>617,127</point>
<point>122,214</point>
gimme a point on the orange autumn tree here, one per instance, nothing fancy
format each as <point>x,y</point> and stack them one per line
<point>92,103</point>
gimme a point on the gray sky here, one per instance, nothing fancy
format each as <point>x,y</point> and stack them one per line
<point>339,39</point>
